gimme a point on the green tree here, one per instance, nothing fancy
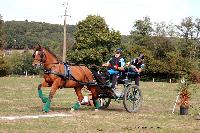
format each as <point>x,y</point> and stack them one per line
<point>15,63</point>
<point>2,35</point>
<point>197,28</point>
<point>142,29</point>
<point>27,61</point>
<point>20,63</point>
<point>3,65</point>
<point>94,41</point>
<point>160,29</point>
<point>187,28</point>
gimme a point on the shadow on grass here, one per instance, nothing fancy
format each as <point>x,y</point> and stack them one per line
<point>114,109</point>
<point>83,108</point>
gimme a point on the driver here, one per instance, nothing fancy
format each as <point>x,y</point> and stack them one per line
<point>115,66</point>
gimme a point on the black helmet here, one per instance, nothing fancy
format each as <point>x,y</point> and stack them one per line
<point>141,56</point>
<point>119,50</point>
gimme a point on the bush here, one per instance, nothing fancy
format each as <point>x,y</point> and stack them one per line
<point>3,65</point>
<point>195,76</point>
<point>19,63</point>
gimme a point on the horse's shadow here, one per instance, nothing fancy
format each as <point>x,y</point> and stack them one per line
<point>85,108</point>
<point>53,109</point>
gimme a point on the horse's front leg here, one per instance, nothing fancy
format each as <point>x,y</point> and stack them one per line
<point>54,87</point>
<point>40,94</point>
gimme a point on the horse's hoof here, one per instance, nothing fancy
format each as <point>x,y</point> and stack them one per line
<point>96,110</point>
<point>72,110</point>
<point>198,117</point>
<point>45,111</point>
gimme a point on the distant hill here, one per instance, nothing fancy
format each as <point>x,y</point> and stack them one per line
<point>24,34</point>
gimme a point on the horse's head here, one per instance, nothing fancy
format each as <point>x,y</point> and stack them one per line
<point>38,56</point>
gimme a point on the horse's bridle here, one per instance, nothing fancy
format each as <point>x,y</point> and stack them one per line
<point>42,56</point>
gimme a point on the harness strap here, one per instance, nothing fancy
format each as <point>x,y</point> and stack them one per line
<point>68,75</point>
<point>67,72</point>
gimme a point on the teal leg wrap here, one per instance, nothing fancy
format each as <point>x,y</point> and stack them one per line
<point>76,106</point>
<point>40,94</point>
<point>47,106</point>
<point>97,104</point>
<point>44,99</point>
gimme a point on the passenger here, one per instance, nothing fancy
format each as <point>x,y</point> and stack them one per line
<point>135,66</point>
<point>115,66</point>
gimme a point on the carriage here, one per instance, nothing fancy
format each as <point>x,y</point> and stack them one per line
<point>124,90</point>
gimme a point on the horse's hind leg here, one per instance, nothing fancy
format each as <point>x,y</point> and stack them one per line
<point>94,97</point>
<point>79,94</point>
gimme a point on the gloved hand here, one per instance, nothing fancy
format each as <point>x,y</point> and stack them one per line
<point>116,67</point>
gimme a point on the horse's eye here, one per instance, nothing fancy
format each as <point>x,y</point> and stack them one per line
<point>33,55</point>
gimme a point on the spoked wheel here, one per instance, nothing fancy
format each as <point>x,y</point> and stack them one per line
<point>104,102</point>
<point>132,99</point>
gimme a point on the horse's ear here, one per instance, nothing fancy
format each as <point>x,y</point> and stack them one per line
<point>38,47</point>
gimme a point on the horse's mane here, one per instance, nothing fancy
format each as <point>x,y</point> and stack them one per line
<point>51,52</point>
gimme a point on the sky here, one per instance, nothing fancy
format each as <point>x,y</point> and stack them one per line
<point>118,14</point>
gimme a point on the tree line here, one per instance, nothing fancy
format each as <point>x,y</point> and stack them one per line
<point>170,50</point>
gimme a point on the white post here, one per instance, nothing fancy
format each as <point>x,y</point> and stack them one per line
<point>153,79</point>
<point>26,73</point>
<point>177,97</point>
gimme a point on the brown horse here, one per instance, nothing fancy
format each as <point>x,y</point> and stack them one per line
<point>58,75</point>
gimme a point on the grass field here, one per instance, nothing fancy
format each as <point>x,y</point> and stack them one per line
<point>18,97</point>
